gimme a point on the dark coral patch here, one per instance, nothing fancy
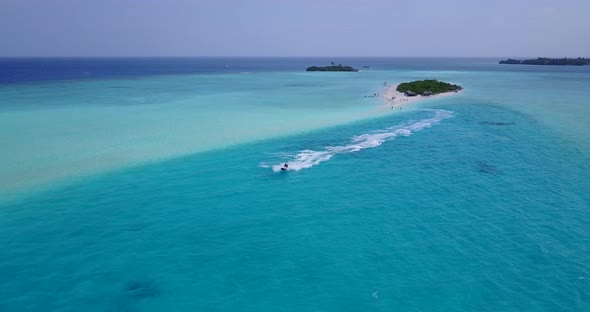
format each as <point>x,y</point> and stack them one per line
<point>485,167</point>
<point>493,123</point>
<point>142,289</point>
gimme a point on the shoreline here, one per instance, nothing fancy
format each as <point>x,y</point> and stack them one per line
<point>395,99</point>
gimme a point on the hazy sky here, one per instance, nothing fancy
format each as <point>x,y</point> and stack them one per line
<point>294,28</point>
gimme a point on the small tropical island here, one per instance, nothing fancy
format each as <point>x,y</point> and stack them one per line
<point>398,95</point>
<point>332,68</point>
<point>580,61</point>
<point>426,87</point>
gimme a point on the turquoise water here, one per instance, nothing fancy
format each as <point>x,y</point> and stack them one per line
<point>474,202</point>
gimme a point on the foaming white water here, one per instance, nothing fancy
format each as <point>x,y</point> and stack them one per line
<point>309,158</point>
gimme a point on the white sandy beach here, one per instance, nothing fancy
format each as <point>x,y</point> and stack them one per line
<point>396,99</point>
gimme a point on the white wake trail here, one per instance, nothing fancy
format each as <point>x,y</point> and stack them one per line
<point>309,158</point>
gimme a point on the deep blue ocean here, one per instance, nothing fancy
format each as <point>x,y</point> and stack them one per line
<point>26,70</point>
<point>152,185</point>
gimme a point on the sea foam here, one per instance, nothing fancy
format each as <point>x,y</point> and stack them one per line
<point>308,158</point>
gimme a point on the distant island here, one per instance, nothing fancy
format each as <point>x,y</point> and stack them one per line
<point>550,61</point>
<point>427,87</point>
<point>332,68</point>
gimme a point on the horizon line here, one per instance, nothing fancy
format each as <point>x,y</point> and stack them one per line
<point>271,56</point>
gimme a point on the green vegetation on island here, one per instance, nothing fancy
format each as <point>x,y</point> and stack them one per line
<point>427,87</point>
<point>332,68</point>
<point>550,61</point>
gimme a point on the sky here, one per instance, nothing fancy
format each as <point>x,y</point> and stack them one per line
<point>448,28</point>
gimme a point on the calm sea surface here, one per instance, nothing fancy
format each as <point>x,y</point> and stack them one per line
<point>153,185</point>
